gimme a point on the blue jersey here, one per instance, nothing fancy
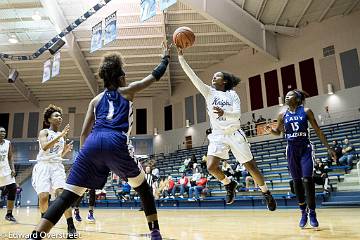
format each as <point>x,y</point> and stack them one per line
<point>296,126</point>
<point>113,112</point>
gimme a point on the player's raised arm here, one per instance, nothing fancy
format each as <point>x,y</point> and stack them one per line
<point>156,75</point>
<point>198,83</point>
<point>279,127</point>
<point>88,122</point>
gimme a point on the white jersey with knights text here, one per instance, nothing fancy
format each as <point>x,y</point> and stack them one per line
<point>5,169</point>
<point>54,153</point>
<point>228,101</point>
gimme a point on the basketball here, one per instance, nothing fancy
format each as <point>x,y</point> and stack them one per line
<point>183,37</point>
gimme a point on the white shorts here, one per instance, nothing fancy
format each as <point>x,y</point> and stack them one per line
<point>6,180</point>
<point>47,177</point>
<point>220,144</point>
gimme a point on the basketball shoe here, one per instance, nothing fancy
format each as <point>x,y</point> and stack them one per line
<point>9,217</point>
<point>230,192</point>
<point>313,221</point>
<point>155,234</point>
<point>77,215</point>
<point>270,201</point>
<point>304,218</point>
<point>90,217</point>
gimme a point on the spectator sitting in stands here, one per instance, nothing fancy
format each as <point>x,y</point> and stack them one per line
<point>182,185</point>
<point>203,165</point>
<point>246,129</point>
<point>170,184</point>
<point>155,171</point>
<point>261,120</point>
<point>188,166</point>
<point>100,194</point>
<point>160,190</point>
<point>249,179</point>
<point>238,168</point>
<point>349,154</point>
<point>320,174</point>
<point>196,168</point>
<point>125,191</point>
<point>193,159</point>
<point>227,169</point>
<point>338,150</point>
<point>200,185</point>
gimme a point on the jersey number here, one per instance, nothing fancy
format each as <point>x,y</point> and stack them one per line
<point>295,126</point>
<point>111,110</point>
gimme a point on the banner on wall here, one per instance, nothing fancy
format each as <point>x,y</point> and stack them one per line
<point>147,9</point>
<point>166,4</point>
<point>96,37</point>
<point>110,28</point>
<point>56,65</point>
<point>47,71</point>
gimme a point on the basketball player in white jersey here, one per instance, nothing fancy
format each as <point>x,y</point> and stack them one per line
<point>49,173</point>
<point>7,173</point>
<point>223,106</point>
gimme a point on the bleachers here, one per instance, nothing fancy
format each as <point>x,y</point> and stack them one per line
<point>271,160</point>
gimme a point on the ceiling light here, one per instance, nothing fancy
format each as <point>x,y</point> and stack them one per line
<point>13,39</point>
<point>36,16</point>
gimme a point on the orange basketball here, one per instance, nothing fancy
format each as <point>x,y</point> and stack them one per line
<point>184,37</point>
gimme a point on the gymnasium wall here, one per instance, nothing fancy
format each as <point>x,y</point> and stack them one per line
<point>342,31</point>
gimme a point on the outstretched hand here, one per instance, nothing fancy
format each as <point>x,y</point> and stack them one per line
<point>180,51</point>
<point>166,48</point>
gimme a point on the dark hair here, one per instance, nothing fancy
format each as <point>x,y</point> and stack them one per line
<point>47,114</point>
<point>231,80</point>
<point>300,95</point>
<point>111,69</point>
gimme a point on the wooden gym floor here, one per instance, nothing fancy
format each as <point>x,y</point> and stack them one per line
<point>197,224</point>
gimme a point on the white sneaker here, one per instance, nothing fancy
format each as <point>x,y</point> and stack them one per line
<point>181,196</point>
<point>172,197</point>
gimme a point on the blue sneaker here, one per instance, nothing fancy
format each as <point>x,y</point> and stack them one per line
<point>90,217</point>
<point>155,234</point>
<point>77,215</point>
<point>313,221</point>
<point>304,218</point>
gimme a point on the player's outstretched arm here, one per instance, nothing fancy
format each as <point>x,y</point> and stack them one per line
<point>45,144</point>
<point>279,128</point>
<point>198,83</point>
<point>88,122</point>
<point>135,87</point>
<point>318,131</point>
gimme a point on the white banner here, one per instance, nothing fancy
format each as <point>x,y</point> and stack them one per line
<point>166,4</point>
<point>47,71</point>
<point>110,28</point>
<point>148,9</point>
<point>56,65</point>
<point>96,37</point>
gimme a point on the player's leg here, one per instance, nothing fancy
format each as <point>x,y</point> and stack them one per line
<point>76,209</point>
<point>122,164</point>
<point>307,166</point>
<point>241,150</point>
<point>56,210</point>
<point>293,156</point>
<point>11,190</point>
<point>90,217</point>
<point>58,180</point>
<point>41,182</point>
<point>68,215</point>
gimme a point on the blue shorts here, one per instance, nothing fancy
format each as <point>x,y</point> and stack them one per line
<point>300,160</point>
<point>102,152</point>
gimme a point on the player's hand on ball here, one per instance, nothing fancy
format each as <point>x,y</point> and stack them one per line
<point>166,48</point>
<point>180,51</point>
<point>66,130</point>
<point>219,111</point>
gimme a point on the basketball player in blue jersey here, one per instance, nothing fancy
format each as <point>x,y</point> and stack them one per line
<point>223,105</point>
<point>104,145</point>
<point>294,123</point>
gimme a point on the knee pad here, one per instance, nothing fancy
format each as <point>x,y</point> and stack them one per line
<point>11,190</point>
<point>309,187</point>
<point>57,209</point>
<point>137,181</point>
<point>147,198</point>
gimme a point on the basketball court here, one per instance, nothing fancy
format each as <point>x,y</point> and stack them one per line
<point>206,224</point>
<point>249,53</point>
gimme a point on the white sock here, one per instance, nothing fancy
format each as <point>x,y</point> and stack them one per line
<point>225,181</point>
<point>264,188</point>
